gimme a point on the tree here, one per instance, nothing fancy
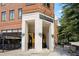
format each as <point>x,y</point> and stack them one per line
<point>69,30</point>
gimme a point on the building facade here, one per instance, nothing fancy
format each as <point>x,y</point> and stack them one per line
<point>30,24</point>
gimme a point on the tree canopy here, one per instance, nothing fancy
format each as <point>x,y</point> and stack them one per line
<point>69,30</point>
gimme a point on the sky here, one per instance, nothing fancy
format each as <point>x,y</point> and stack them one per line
<point>58,10</point>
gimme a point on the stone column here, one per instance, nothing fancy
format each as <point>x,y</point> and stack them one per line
<point>38,34</point>
<point>24,36</point>
<point>51,36</point>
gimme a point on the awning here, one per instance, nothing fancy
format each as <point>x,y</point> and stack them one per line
<point>11,30</point>
<point>74,43</point>
<point>11,37</point>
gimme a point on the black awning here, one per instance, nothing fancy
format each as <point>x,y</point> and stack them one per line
<point>13,35</point>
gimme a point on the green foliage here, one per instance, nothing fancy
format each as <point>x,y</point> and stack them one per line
<point>69,30</point>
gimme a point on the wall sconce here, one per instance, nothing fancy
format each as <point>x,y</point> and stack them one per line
<point>23,34</point>
<point>52,35</point>
<point>40,34</point>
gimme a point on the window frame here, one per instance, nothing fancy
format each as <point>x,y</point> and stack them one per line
<point>3,4</point>
<point>20,17</point>
<point>3,15</point>
<point>29,4</point>
<point>13,14</point>
<point>46,5</point>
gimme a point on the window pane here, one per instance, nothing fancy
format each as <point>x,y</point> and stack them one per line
<point>44,4</point>
<point>11,14</point>
<point>48,4</point>
<point>3,16</point>
<point>20,13</point>
<point>3,4</point>
<point>28,4</point>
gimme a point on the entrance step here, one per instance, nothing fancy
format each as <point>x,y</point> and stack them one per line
<point>38,51</point>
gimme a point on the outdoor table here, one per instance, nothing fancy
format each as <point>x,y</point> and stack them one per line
<point>75,43</point>
<point>76,47</point>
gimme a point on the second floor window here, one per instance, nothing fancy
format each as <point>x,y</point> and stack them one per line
<point>47,5</point>
<point>20,13</point>
<point>28,4</point>
<point>3,16</point>
<point>11,14</point>
<point>2,4</point>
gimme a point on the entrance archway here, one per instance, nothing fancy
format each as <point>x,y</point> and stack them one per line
<point>45,35</point>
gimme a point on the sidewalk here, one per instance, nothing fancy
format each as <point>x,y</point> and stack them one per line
<point>57,52</point>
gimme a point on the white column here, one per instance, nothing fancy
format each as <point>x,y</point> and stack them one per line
<point>38,34</point>
<point>51,39</point>
<point>24,36</point>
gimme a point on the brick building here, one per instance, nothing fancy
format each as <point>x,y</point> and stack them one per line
<point>28,24</point>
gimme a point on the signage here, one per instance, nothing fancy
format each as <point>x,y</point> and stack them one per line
<point>46,18</point>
